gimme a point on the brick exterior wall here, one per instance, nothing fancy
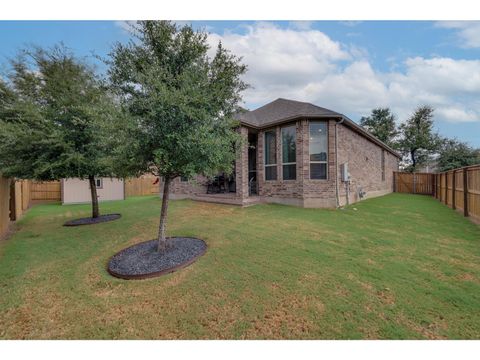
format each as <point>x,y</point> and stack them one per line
<point>241,167</point>
<point>319,193</point>
<point>364,160</point>
<point>185,189</point>
<point>283,191</point>
<point>362,155</point>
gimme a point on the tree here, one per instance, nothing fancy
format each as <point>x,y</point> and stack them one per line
<point>180,104</point>
<point>381,124</point>
<point>52,113</point>
<point>454,154</point>
<point>418,141</point>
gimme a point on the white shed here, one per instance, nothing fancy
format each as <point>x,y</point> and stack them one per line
<point>77,191</point>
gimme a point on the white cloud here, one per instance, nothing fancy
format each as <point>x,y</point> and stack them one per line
<point>301,24</point>
<point>457,114</point>
<point>468,32</point>
<point>308,65</point>
<point>282,57</point>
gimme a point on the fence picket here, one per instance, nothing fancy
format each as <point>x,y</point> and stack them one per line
<point>464,180</point>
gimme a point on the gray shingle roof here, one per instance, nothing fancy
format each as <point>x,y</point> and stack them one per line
<point>281,110</point>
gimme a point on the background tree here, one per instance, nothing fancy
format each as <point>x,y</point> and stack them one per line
<point>180,103</point>
<point>418,140</point>
<point>52,113</point>
<point>454,154</point>
<point>381,124</point>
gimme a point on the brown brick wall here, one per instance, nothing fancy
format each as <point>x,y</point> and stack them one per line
<point>198,185</point>
<point>362,155</point>
<point>183,189</point>
<point>241,167</point>
<point>302,191</point>
<point>364,165</point>
<point>319,193</point>
<point>280,189</point>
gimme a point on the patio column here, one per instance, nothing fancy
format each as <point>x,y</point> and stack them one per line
<point>241,166</point>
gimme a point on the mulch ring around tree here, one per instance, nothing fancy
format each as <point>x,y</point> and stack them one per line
<point>142,260</point>
<point>91,221</point>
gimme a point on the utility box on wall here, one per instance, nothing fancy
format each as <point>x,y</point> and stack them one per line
<point>344,175</point>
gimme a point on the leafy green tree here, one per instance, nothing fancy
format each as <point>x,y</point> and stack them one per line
<point>418,140</point>
<point>454,154</point>
<point>53,111</point>
<point>180,103</point>
<point>381,124</point>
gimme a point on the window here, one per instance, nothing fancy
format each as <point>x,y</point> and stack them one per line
<point>270,156</point>
<point>383,165</point>
<point>99,183</point>
<point>183,178</point>
<point>289,153</point>
<point>318,147</point>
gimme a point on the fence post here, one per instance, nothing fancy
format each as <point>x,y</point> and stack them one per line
<point>414,183</point>
<point>394,181</point>
<point>446,188</point>
<point>439,187</point>
<point>454,188</point>
<point>465,192</point>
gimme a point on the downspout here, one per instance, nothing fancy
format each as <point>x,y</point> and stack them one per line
<point>337,196</point>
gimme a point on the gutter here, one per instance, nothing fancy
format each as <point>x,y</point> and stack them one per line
<point>337,195</point>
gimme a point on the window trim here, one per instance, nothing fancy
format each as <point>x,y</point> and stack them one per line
<point>327,173</point>
<point>97,180</point>
<point>265,165</point>
<point>294,126</point>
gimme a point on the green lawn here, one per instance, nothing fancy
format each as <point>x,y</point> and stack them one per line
<point>395,267</point>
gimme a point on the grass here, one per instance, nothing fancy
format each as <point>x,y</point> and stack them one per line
<point>394,267</point>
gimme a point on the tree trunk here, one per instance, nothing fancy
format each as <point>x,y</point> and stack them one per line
<point>162,241</point>
<point>93,193</point>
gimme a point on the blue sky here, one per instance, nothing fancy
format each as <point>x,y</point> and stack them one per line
<point>350,67</point>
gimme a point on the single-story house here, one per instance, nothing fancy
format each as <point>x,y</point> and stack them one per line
<point>77,191</point>
<point>299,154</point>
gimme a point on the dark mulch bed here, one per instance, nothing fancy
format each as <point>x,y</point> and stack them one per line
<point>142,261</point>
<point>90,220</point>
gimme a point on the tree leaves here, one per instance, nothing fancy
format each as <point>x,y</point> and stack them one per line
<point>381,124</point>
<point>52,118</point>
<point>419,141</point>
<point>454,154</point>
<point>180,103</point>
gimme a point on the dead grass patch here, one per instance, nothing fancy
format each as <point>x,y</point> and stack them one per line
<point>288,319</point>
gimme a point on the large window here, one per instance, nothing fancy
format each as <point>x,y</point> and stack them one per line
<point>270,156</point>
<point>318,149</point>
<point>289,153</point>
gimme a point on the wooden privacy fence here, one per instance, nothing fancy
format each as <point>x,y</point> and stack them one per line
<point>51,190</point>
<point>413,183</point>
<point>457,188</point>
<point>4,205</point>
<point>143,185</point>
<point>460,190</point>
<point>14,201</point>
<point>46,191</point>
